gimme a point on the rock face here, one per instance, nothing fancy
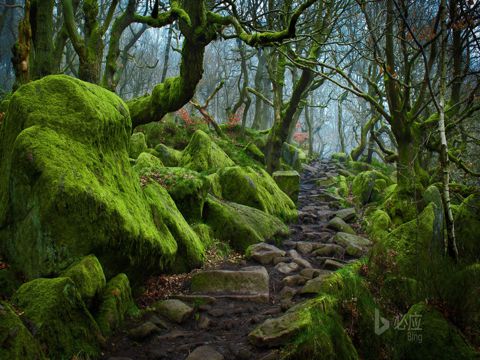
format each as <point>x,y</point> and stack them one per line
<point>67,188</point>
<point>257,189</point>
<point>63,323</point>
<point>248,283</point>
<point>202,154</point>
<point>288,182</point>
<point>241,225</point>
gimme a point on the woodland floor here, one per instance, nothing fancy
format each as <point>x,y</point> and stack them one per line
<point>225,323</point>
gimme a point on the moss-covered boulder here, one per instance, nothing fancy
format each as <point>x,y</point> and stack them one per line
<point>288,182</point>
<point>202,154</point>
<point>340,157</point>
<point>87,275</point>
<point>115,305</point>
<point>256,188</point>
<point>293,156</point>
<point>255,152</point>
<point>205,233</point>
<point>368,186</point>
<point>430,337</point>
<point>67,188</point>
<point>467,227</point>
<point>16,342</point>
<point>378,224</point>
<point>60,318</point>
<point>412,245</point>
<point>137,145</point>
<point>147,162</point>
<point>169,156</point>
<point>240,225</point>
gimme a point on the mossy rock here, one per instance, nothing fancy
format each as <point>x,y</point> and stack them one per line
<point>467,227</point>
<point>434,338</point>
<point>256,188</point>
<point>87,275</point>
<point>255,152</point>
<point>399,207</point>
<point>378,224</point>
<point>359,166</point>
<point>60,318</point>
<point>203,154</point>
<point>186,187</point>
<point>169,156</point>
<point>137,145</point>
<point>412,245</point>
<point>320,334</point>
<point>67,178</point>
<point>16,342</point>
<point>115,305</point>
<point>147,162</point>
<point>288,182</point>
<point>205,233</point>
<point>240,225</point>
<point>167,132</point>
<point>293,156</point>
<point>368,186</point>
<point>340,157</point>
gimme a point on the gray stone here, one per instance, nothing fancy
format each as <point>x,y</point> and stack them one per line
<point>286,268</point>
<point>264,253</point>
<point>302,262</point>
<point>249,283</point>
<point>293,254</point>
<point>278,331</point>
<point>338,224</point>
<point>295,280</point>
<point>354,245</point>
<point>333,264</point>
<point>314,286</point>
<point>304,247</point>
<point>205,352</point>
<point>174,310</point>
<point>280,259</point>
<point>287,292</point>
<point>330,250</point>
<point>347,214</point>
<point>143,331</point>
<point>312,273</point>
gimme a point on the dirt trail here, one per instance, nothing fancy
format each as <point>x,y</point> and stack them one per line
<point>224,324</point>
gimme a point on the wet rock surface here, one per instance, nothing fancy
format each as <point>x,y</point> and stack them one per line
<point>242,311</point>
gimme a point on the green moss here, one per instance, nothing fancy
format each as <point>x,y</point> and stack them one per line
<point>255,152</point>
<point>72,191</point>
<point>256,188</point>
<point>202,154</point>
<point>16,342</point>
<point>116,304</point>
<point>322,335</point>
<point>9,282</point>
<point>467,227</point>
<point>293,156</point>
<point>205,233</point>
<point>378,224</point>
<point>187,188</point>
<point>240,225</point>
<point>87,275</point>
<point>61,320</point>
<point>288,182</point>
<point>169,156</point>
<point>189,249</point>
<point>340,157</point>
<point>439,338</point>
<point>399,207</point>
<point>166,132</point>
<point>137,145</point>
<point>147,162</point>
<point>412,245</point>
<point>368,186</point>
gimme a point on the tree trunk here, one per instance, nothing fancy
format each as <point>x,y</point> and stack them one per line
<point>41,18</point>
<point>259,105</point>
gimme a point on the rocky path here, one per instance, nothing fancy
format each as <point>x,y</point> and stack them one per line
<point>223,305</point>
